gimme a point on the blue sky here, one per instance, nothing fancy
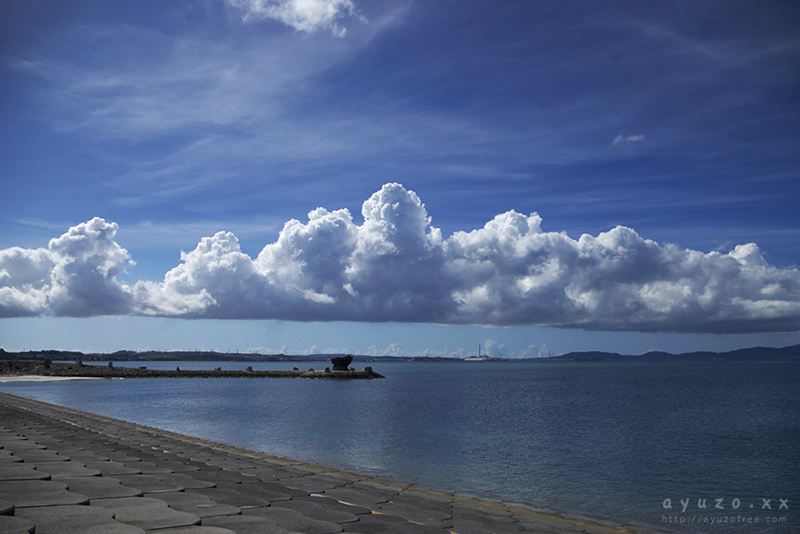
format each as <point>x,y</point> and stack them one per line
<point>536,177</point>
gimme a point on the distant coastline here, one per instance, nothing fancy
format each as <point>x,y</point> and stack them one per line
<point>748,354</point>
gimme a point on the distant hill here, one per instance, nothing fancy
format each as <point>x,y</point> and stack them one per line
<point>754,353</point>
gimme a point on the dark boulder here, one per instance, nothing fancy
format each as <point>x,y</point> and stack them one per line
<point>342,363</point>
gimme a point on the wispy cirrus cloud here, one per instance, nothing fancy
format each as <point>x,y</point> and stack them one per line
<point>210,110</point>
<point>722,52</point>
<point>628,139</point>
<point>396,266</point>
<point>182,83</point>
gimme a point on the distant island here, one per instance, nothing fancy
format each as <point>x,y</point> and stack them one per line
<point>748,354</point>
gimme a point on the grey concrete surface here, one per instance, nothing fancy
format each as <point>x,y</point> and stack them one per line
<point>195,530</point>
<point>39,455</point>
<point>19,443</point>
<point>6,456</point>
<point>32,493</point>
<point>198,504</point>
<point>16,525</point>
<point>147,513</point>
<point>247,524</point>
<point>294,520</point>
<point>100,488</point>
<point>316,510</point>
<point>76,520</point>
<point>334,504</point>
<point>186,480</point>
<point>66,469</point>
<point>21,471</point>
<point>239,496</point>
<point>386,524</point>
<point>148,483</point>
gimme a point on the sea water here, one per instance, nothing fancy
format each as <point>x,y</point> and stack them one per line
<point>680,446</point>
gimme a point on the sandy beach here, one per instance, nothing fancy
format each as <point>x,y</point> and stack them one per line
<point>34,378</point>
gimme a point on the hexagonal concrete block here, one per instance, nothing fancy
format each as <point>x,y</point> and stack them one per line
<point>147,513</point>
<point>76,520</point>
<point>29,493</point>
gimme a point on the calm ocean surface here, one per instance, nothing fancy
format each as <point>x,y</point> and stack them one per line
<point>611,439</point>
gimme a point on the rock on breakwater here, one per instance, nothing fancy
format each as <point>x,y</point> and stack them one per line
<point>78,369</point>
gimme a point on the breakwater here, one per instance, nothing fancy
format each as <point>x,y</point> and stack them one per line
<point>81,370</point>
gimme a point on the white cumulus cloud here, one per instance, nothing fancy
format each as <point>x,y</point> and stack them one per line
<point>75,276</point>
<point>396,266</point>
<point>533,351</point>
<point>493,349</point>
<point>86,262</point>
<point>24,281</point>
<point>302,15</point>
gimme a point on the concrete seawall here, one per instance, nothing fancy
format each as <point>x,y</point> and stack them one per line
<point>58,369</point>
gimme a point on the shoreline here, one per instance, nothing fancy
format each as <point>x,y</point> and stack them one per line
<point>536,518</point>
<point>40,378</point>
